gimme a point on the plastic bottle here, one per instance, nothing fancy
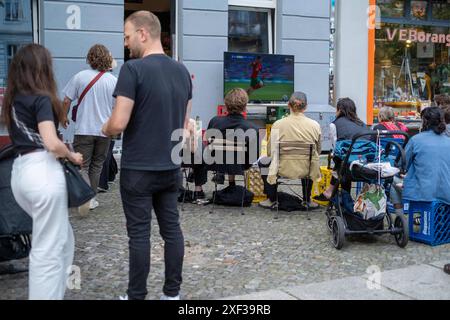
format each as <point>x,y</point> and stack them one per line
<point>198,125</point>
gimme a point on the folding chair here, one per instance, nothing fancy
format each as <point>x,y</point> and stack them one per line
<point>239,151</point>
<point>292,149</point>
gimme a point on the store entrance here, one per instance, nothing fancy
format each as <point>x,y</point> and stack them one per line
<point>165,11</point>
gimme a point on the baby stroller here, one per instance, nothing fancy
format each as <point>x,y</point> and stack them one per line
<point>15,224</point>
<point>342,220</point>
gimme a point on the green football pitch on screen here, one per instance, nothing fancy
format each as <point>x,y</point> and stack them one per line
<point>269,92</point>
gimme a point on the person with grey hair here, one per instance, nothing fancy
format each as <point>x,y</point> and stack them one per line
<point>386,118</point>
<point>294,128</point>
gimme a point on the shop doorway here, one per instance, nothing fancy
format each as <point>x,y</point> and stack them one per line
<point>165,10</point>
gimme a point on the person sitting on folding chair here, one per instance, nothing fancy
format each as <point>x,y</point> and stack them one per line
<point>294,128</point>
<point>235,102</point>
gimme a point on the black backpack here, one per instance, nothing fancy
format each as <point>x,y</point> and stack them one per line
<point>15,224</point>
<point>232,196</point>
<point>288,202</point>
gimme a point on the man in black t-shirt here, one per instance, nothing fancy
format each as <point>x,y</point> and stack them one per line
<point>154,96</point>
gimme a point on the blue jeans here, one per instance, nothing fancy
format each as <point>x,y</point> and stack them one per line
<point>141,191</point>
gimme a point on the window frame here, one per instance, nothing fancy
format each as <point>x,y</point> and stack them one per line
<point>20,6</point>
<point>407,19</point>
<point>270,21</point>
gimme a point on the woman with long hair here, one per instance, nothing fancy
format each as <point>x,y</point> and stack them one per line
<point>428,160</point>
<point>345,127</point>
<point>32,111</point>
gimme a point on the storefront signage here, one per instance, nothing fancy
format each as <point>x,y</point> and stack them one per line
<point>414,35</point>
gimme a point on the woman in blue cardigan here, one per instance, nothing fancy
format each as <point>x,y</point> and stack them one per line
<point>428,160</point>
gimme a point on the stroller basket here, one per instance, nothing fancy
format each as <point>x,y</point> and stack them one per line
<point>355,222</point>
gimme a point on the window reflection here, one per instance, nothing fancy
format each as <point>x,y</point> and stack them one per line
<point>419,10</point>
<point>441,9</point>
<point>392,8</point>
<point>248,31</point>
<point>16,30</point>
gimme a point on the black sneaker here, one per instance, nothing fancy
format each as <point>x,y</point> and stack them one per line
<point>219,178</point>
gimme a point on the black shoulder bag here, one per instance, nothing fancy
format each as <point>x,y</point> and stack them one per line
<point>78,190</point>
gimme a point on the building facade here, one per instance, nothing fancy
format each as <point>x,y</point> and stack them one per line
<point>195,32</point>
<point>403,52</point>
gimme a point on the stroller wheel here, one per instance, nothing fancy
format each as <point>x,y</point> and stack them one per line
<point>338,230</point>
<point>330,224</point>
<point>402,237</point>
<point>330,214</point>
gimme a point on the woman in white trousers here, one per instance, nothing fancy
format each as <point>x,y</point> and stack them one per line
<point>31,110</point>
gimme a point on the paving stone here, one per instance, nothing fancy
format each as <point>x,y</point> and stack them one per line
<point>351,288</point>
<point>266,295</point>
<point>224,252</point>
<point>421,282</point>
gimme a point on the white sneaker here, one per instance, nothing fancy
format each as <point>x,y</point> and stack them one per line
<point>83,210</point>
<point>164,297</point>
<point>266,204</point>
<point>93,204</point>
<point>125,297</point>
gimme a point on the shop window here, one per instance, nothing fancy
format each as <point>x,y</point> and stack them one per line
<point>441,10</point>
<point>13,10</point>
<point>392,8</point>
<point>249,30</point>
<point>412,64</point>
<point>419,10</point>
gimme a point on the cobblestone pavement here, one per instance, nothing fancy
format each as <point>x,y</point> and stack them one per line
<point>227,254</point>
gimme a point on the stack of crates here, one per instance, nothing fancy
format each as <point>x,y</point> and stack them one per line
<point>429,222</point>
<point>322,185</point>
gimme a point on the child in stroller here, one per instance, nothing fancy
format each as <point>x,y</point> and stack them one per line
<point>365,161</point>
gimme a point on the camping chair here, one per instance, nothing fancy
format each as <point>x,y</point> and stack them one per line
<point>239,151</point>
<point>288,149</point>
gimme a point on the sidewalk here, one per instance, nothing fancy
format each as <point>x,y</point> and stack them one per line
<point>420,282</point>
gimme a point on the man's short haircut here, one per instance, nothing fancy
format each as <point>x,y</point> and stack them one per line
<point>236,100</point>
<point>298,101</point>
<point>148,21</point>
<point>386,114</point>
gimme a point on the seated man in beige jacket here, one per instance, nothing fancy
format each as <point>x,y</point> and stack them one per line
<point>294,128</point>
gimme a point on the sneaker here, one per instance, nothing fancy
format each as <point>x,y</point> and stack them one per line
<point>125,297</point>
<point>321,197</point>
<point>93,204</point>
<point>164,297</point>
<point>101,190</point>
<point>84,209</point>
<point>267,204</point>
<point>447,268</point>
<point>313,205</point>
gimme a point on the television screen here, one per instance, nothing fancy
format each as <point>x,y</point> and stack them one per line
<point>265,77</point>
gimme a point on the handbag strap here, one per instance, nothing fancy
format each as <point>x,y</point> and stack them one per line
<point>89,86</point>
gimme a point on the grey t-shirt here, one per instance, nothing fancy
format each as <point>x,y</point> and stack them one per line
<point>160,88</point>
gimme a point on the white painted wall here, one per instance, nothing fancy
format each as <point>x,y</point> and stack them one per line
<point>351,64</point>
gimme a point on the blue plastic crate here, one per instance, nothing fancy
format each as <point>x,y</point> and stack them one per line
<point>429,222</point>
